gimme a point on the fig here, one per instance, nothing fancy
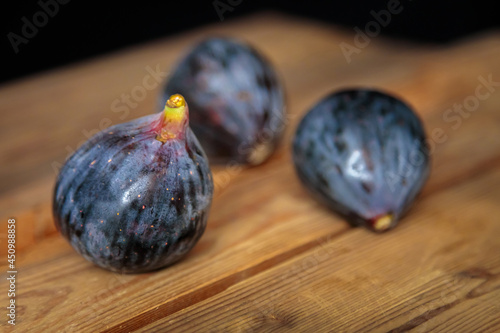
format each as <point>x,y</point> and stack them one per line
<point>236,100</point>
<point>136,197</point>
<point>364,154</point>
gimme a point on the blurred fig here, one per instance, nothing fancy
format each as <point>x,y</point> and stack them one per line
<point>364,154</point>
<point>236,101</point>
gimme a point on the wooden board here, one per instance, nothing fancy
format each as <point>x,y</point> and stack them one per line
<point>271,259</point>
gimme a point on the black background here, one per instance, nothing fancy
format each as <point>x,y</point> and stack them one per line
<point>83,29</point>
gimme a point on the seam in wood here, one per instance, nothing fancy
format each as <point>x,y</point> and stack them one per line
<point>149,316</point>
<point>207,291</point>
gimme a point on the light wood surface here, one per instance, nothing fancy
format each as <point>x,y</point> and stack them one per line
<point>271,259</point>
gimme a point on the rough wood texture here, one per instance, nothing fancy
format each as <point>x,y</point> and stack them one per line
<point>271,259</point>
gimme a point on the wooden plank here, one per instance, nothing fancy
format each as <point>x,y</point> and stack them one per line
<point>215,263</point>
<point>485,52</point>
<point>361,282</point>
<point>261,216</point>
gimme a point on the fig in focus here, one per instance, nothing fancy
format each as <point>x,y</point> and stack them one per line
<point>136,197</point>
<point>237,107</point>
<point>364,154</point>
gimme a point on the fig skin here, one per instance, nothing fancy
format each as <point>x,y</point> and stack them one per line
<point>133,198</point>
<point>364,154</point>
<point>236,100</point>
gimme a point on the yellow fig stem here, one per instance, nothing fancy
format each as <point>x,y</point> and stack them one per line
<point>383,223</point>
<point>175,116</point>
<point>175,108</point>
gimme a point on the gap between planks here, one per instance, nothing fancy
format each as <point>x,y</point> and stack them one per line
<point>193,297</point>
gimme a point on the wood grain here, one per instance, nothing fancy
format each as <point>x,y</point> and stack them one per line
<point>356,282</point>
<point>271,257</point>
